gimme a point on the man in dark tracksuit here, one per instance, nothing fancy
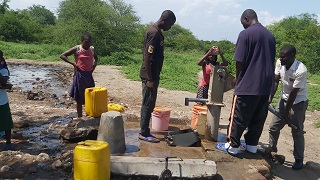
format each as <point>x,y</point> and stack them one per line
<point>150,70</point>
<point>254,56</point>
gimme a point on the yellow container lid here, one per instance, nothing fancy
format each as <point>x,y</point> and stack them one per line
<point>115,107</point>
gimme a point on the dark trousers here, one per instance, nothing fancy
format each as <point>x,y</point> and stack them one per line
<point>149,97</point>
<point>248,111</point>
<point>297,117</point>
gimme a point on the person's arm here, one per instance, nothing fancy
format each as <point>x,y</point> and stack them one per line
<point>96,60</point>
<point>292,97</point>
<point>276,84</point>
<point>299,82</point>
<point>224,61</point>
<point>201,61</point>
<point>3,80</point>
<point>239,66</point>
<point>64,56</point>
<point>148,53</point>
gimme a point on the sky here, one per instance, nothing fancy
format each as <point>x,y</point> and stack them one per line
<point>212,20</point>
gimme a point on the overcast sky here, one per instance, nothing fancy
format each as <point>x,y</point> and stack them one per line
<point>206,19</point>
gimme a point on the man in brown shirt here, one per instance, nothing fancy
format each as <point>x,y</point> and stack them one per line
<point>150,70</point>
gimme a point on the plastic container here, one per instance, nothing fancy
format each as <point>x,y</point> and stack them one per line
<point>197,109</point>
<point>115,107</point>
<point>201,123</point>
<point>161,118</point>
<point>96,101</point>
<point>92,160</point>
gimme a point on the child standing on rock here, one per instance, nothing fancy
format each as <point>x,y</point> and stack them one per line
<point>6,123</point>
<point>85,62</point>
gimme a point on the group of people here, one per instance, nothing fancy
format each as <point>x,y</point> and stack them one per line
<point>257,79</point>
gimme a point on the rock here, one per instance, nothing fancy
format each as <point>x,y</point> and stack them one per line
<point>5,168</point>
<point>313,165</point>
<point>21,124</point>
<point>57,164</point>
<point>42,166</point>
<point>32,170</point>
<point>80,134</point>
<point>43,157</point>
<point>263,170</point>
<point>67,166</point>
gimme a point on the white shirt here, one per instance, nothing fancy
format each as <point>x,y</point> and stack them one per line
<point>3,92</point>
<point>294,77</point>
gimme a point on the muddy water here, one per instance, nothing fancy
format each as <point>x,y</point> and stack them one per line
<point>42,79</point>
<point>31,78</point>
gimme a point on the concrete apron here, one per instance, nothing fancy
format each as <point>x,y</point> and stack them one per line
<point>148,159</point>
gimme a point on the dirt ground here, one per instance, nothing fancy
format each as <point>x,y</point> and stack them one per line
<point>33,160</point>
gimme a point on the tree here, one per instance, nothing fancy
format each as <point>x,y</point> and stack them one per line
<point>180,38</point>
<point>43,15</point>
<point>18,26</point>
<point>4,6</point>
<point>303,32</point>
<point>112,24</point>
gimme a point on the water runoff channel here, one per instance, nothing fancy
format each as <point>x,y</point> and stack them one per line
<point>44,78</point>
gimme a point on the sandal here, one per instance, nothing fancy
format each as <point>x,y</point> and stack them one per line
<point>149,138</point>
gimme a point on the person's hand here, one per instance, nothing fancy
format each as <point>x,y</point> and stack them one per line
<point>234,81</point>
<point>286,120</point>
<point>75,68</point>
<point>150,84</point>
<point>215,50</point>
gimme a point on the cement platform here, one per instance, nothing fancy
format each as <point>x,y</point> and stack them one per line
<point>146,158</point>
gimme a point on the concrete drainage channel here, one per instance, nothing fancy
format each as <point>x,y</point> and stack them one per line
<point>179,168</point>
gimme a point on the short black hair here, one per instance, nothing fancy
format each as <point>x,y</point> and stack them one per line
<point>168,14</point>
<point>85,35</point>
<point>250,14</point>
<point>289,49</point>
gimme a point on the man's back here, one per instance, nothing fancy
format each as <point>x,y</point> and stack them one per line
<point>256,50</point>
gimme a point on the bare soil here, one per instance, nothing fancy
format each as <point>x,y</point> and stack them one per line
<point>28,162</point>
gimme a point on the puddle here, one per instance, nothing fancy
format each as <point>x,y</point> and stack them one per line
<point>33,78</point>
<point>47,135</point>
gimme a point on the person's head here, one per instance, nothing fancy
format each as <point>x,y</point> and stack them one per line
<point>287,55</point>
<point>86,40</point>
<point>211,57</point>
<point>3,63</point>
<point>248,17</point>
<point>166,20</point>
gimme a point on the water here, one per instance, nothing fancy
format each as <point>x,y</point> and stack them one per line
<point>47,135</point>
<point>35,79</point>
<point>32,78</point>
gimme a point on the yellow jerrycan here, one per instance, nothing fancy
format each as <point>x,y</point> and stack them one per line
<point>96,101</point>
<point>92,160</point>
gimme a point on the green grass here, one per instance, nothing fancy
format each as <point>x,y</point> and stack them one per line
<point>179,70</point>
<point>42,52</point>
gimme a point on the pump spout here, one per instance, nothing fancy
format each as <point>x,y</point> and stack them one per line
<point>187,100</point>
